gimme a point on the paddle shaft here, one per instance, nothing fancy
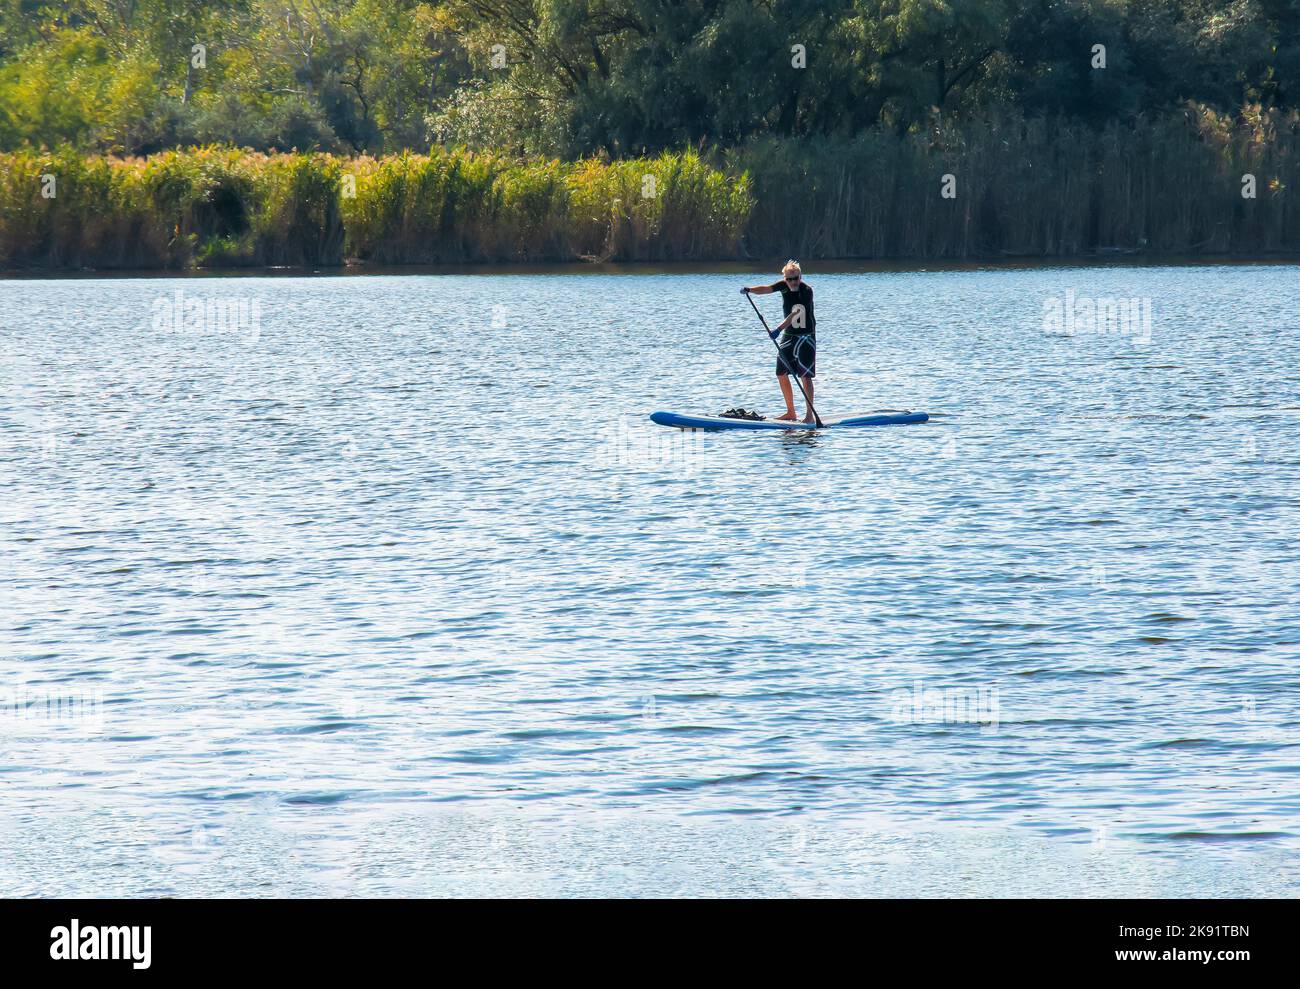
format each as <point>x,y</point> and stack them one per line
<point>803,391</point>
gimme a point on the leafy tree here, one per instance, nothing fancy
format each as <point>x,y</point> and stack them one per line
<point>618,77</point>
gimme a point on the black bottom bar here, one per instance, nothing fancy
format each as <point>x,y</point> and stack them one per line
<point>330,938</point>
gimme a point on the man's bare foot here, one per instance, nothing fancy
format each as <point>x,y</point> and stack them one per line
<point>808,417</point>
<point>788,417</point>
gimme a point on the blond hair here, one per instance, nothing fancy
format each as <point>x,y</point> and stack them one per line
<point>791,265</point>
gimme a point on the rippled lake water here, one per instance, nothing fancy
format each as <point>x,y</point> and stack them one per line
<point>393,588</point>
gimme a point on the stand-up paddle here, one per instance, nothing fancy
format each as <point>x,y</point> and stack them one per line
<point>793,373</point>
<point>799,356</point>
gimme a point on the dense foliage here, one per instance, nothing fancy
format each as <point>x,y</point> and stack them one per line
<point>220,206</point>
<point>570,78</point>
<point>1028,186</point>
<point>187,132</point>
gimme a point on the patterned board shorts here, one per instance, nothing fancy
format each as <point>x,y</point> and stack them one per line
<point>798,354</point>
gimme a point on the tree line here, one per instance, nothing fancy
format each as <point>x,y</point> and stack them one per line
<point>613,77</point>
<point>174,133</point>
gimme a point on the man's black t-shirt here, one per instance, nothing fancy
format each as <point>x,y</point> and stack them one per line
<point>802,296</point>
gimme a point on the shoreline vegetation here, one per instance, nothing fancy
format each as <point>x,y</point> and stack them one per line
<point>152,134</point>
<point>1020,187</point>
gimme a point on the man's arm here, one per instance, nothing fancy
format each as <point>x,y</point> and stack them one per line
<point>759,289</point>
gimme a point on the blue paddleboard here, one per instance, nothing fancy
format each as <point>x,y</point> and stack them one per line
<point>721,422</point>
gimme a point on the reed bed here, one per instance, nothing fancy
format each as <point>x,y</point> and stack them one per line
<point>1040,187</point>
<point>225,207</point>
<point>452,206</point>
<point>177,209</point>
<point>1032,187</point>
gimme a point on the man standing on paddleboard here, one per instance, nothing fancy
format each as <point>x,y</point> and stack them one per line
<point>796,336</point>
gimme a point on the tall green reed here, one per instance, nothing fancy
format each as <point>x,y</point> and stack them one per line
<point>1033,187</point>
